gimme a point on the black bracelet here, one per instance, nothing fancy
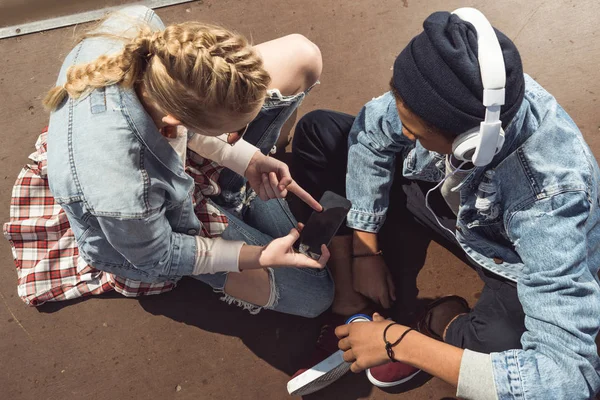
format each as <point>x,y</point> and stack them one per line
<point>389,346</point>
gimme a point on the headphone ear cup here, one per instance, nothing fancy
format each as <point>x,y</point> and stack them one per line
<point>465,144</point>
<point>463,147</point>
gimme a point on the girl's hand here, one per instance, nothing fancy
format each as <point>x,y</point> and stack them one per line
<point>271,179</point>
<point>280,253</point>
<point>362,342</point>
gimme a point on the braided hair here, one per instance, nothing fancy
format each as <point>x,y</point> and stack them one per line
<point>190,70</point>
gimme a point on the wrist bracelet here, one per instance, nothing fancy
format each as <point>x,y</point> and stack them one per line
<point>389,346</point>
<point>379,253</point>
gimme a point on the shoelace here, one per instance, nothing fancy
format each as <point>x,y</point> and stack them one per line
<point>324,329</point>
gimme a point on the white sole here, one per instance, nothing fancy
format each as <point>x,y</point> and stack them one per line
<point>389,384</point>
<point>324,373</point>
<point>321,375</point>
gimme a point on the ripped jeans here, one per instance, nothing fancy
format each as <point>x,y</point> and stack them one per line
<point>299,291</point>
<point>305,292</point>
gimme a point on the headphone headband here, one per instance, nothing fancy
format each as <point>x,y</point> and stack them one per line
<point>491,61</point>
<point>493,76</point>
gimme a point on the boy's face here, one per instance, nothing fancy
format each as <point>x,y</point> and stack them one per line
<point>414,128</point>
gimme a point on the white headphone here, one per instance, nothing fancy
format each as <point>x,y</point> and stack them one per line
<point>480,144</point>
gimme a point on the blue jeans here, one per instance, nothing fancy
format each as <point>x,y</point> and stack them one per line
<point>262,132</point>
<point>299,291</point>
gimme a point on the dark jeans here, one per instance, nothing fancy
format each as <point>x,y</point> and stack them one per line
<point>319,160</point>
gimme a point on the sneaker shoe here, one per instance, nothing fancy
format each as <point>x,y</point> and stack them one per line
<point>433,323</point>
<point>391,374</point>
<point>329,365</point>
<point>439,314</point>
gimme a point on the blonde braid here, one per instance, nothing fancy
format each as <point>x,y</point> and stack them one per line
<point>205,70</point>
<point>123,67</point>
<point>196,72</point>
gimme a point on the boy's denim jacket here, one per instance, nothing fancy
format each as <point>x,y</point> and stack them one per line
<point>543,233</point>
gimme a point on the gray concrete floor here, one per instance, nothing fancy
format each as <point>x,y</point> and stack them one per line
<point>111,347</point>
<point>14,12</point>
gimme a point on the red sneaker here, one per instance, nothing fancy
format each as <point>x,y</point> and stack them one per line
<point>327,363</point>
<point>391,374</point>
<point>435,319</point>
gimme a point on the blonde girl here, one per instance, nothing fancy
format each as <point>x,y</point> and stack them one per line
<point>128,99</point>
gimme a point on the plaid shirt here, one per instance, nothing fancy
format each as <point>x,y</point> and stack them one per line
<point>44,248</point>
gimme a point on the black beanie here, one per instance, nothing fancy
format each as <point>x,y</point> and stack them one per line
<point>437,75</point>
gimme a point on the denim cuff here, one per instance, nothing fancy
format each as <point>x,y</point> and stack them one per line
<point>184,254</point>
<point>507,375</point>
<point>365,221</point>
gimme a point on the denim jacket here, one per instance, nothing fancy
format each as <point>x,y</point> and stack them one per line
<point>544,233</point>
<point>123,187</point>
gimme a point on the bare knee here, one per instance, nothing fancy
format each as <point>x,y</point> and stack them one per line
<point>310,62</point>
<point>251,286</point>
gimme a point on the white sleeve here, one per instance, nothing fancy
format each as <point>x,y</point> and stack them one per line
<point>217,255</point>
<point>476,377</point>
<point>236,157</point>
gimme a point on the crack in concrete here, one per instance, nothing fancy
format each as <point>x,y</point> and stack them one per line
<point>15,317</point>
<point>528,19</point>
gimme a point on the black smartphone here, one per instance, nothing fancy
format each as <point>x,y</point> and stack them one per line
<point>322,226</point>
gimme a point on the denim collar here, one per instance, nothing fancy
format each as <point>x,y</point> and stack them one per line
<point>146,131</point>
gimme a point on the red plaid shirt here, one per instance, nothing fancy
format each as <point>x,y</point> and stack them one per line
<point>44,248</point>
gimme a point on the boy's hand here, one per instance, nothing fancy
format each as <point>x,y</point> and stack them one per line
<point>371,278</point>
<point>370,275</point>
<point>362,342</point>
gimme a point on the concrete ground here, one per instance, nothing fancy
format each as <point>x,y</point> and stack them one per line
<point>188,344</point>
<point>15,12</point>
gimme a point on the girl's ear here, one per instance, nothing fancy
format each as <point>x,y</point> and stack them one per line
<point>170,120</point>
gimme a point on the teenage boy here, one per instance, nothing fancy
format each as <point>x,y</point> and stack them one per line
<point>520,185</point>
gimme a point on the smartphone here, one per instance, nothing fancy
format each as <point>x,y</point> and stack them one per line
<point>322,226</point>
